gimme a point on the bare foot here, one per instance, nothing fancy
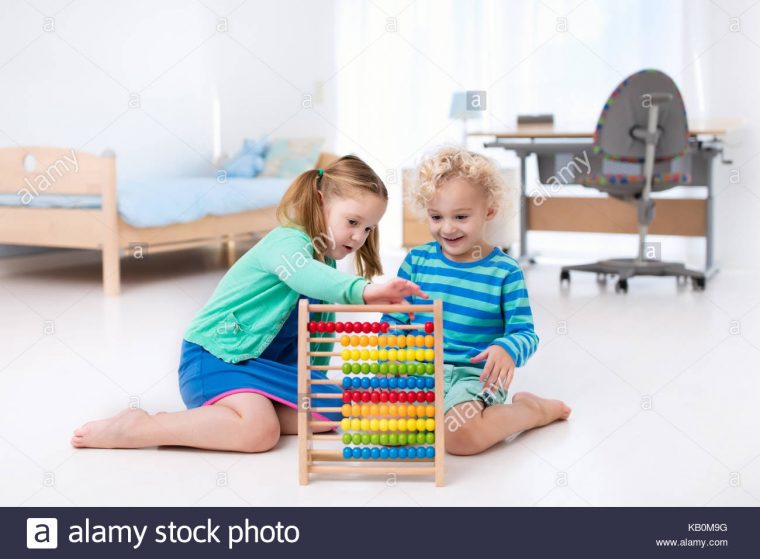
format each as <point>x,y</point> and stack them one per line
<point>115,432</point>
<point>550,410</point>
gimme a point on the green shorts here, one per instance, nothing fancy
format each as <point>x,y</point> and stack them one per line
<point>463,384</point>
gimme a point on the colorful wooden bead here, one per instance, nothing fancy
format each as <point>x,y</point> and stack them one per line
<point>330,327</point>
<point>429,327</point>
<point>384,327</point>
<point>339,327</point>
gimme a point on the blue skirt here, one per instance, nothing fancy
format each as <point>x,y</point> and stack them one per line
<point>204,379</point>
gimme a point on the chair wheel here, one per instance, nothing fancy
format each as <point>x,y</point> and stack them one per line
<point>564,275</point>
<point>621,286</point>
<point>601,278</point>
<point>698,283</point>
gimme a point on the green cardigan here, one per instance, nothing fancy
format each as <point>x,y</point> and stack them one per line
<point>256,296</point>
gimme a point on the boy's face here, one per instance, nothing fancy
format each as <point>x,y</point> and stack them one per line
<point>457,217</point>
<point>349,222</point>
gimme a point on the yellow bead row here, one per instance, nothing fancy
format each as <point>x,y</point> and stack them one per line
<point>388,354</point>
<point>393,410</point>
<point>356,424</point>
<point>410,340</point>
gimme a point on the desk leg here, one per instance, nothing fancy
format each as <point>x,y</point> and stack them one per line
<point>710,269</point>
<point>523,207</point>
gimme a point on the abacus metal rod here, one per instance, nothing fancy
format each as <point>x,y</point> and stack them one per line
<point>372,308</point>
<point>318,423</point>
<point>337,456</point>
<point>316,437</point>
<point>325,381</point>
<point>337,340</point>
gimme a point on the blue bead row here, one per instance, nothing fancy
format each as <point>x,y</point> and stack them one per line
<point>393,382</point>
<point>413,453</point>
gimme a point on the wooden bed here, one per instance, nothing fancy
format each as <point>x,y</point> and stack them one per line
<point>102,228</point>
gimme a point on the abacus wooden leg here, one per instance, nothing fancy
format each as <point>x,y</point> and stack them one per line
<point>304,431</point>
<point>440,448</point>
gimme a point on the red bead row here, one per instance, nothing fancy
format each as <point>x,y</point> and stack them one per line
<point>393,396</point>
<point>356,327</point>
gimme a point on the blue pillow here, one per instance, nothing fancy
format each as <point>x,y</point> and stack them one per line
<point>289,157</point>
<point>249,161</point>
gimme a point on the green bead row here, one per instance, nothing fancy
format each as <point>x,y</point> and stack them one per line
<point>390,439</point>
<point>389,368</point>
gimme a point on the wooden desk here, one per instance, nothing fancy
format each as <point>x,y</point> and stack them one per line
<point>566,211</point>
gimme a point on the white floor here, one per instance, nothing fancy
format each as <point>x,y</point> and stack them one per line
<point>663,385</point>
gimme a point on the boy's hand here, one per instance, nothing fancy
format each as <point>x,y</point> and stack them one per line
<point>499,369</point>
<point>392,292</point>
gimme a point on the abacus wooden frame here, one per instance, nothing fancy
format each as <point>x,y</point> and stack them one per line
<point>307,455</point>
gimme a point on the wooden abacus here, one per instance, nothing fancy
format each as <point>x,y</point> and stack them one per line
<point>405,434</point>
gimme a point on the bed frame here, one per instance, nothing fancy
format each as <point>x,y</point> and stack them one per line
<point>41,171</point>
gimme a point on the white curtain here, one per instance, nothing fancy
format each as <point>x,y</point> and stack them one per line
<point>398,64</point>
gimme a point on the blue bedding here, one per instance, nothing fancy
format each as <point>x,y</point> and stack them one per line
<point>159,202</point>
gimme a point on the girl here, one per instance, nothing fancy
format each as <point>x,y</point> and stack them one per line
<point>487,318</point>
<point>238,369</point>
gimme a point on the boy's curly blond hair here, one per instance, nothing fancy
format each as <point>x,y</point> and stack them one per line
<point>451,162</point>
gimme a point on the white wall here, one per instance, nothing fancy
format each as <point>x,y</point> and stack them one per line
<point>72,86</point>
<point>728,49</point>
<point>386,92</point>
<point>515,51</point>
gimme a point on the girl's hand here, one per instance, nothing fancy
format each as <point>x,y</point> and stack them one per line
<point>499,369</point>
<point>392,292</point>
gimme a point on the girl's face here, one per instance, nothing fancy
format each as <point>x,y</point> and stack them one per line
<point>349,221</point>
<point>457,216</point>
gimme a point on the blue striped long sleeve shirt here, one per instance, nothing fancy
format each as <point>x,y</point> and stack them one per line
<point>484,303</point>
